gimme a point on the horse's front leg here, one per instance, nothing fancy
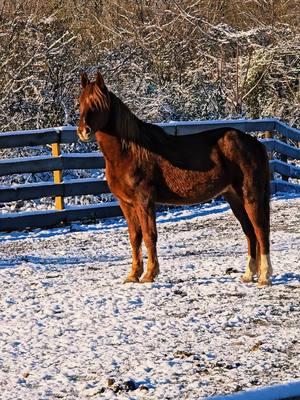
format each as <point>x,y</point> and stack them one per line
<point>135,235</point>
<point>146,214</point>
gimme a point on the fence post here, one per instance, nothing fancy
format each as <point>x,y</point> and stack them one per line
<point>57,175</point>
<point>269,135</point>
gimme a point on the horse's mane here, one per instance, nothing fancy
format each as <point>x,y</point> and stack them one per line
<point>139,137</point>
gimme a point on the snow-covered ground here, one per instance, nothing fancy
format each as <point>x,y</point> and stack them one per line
<point>69,328</point>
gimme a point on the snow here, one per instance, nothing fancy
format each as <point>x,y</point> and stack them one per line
<point>70,329</point>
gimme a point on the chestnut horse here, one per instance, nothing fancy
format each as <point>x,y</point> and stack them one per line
<point>145,166</point>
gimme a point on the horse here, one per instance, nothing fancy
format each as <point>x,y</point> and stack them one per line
<point>145,166</point>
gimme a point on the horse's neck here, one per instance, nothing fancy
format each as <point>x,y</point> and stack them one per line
<point>110,146</point>
<point>126,125</point>
<point>132,134</point>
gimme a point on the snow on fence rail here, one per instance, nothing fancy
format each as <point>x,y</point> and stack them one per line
<point>59,162</point>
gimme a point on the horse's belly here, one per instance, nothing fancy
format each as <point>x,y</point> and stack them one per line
<point>190,187</point>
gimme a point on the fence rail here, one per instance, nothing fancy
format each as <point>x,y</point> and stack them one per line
<point>287,391</point>
<point>50,163</point>
<point>59,162</point>
<point>73,187</point>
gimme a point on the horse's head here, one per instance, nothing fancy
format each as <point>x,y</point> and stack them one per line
<point>94,104</point>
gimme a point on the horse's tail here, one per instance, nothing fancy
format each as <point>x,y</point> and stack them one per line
<point>267,189</point>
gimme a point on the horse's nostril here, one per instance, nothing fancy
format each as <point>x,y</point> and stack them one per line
<point>88,130</point>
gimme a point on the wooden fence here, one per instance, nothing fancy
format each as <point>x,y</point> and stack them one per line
<point>287,391</point>
<point>278,134</point>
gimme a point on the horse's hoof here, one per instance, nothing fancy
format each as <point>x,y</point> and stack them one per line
<point>146,279</point>
<point>246,279</point>
<point>131,279</point>
<point>264,282</point>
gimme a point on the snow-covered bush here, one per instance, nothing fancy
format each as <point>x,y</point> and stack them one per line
<point>204,59</point>
<point>166,60</point>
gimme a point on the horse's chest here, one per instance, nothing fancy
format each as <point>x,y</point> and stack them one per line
<point>121,181</point>
<point>113,180</point>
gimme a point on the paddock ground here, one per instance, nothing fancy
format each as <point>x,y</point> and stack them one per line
<point>69,328</point>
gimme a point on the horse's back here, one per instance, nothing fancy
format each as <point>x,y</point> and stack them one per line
<point>204,150</point>
<point>202,166</point>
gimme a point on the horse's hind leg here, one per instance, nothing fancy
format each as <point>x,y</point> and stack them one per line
<point>258,211</point>
<point>146,214</point>
<point>238,210</point>
<point>135,235</point>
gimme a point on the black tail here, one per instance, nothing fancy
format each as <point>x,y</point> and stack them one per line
<point>267,191</point>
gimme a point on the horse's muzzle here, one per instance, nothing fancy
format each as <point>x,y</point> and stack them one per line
<point>85,134</point>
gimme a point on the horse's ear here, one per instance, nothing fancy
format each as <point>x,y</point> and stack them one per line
<point>84,79</point>
<point>100,80</point>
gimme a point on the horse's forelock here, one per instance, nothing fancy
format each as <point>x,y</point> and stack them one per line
<point>94,98</point>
